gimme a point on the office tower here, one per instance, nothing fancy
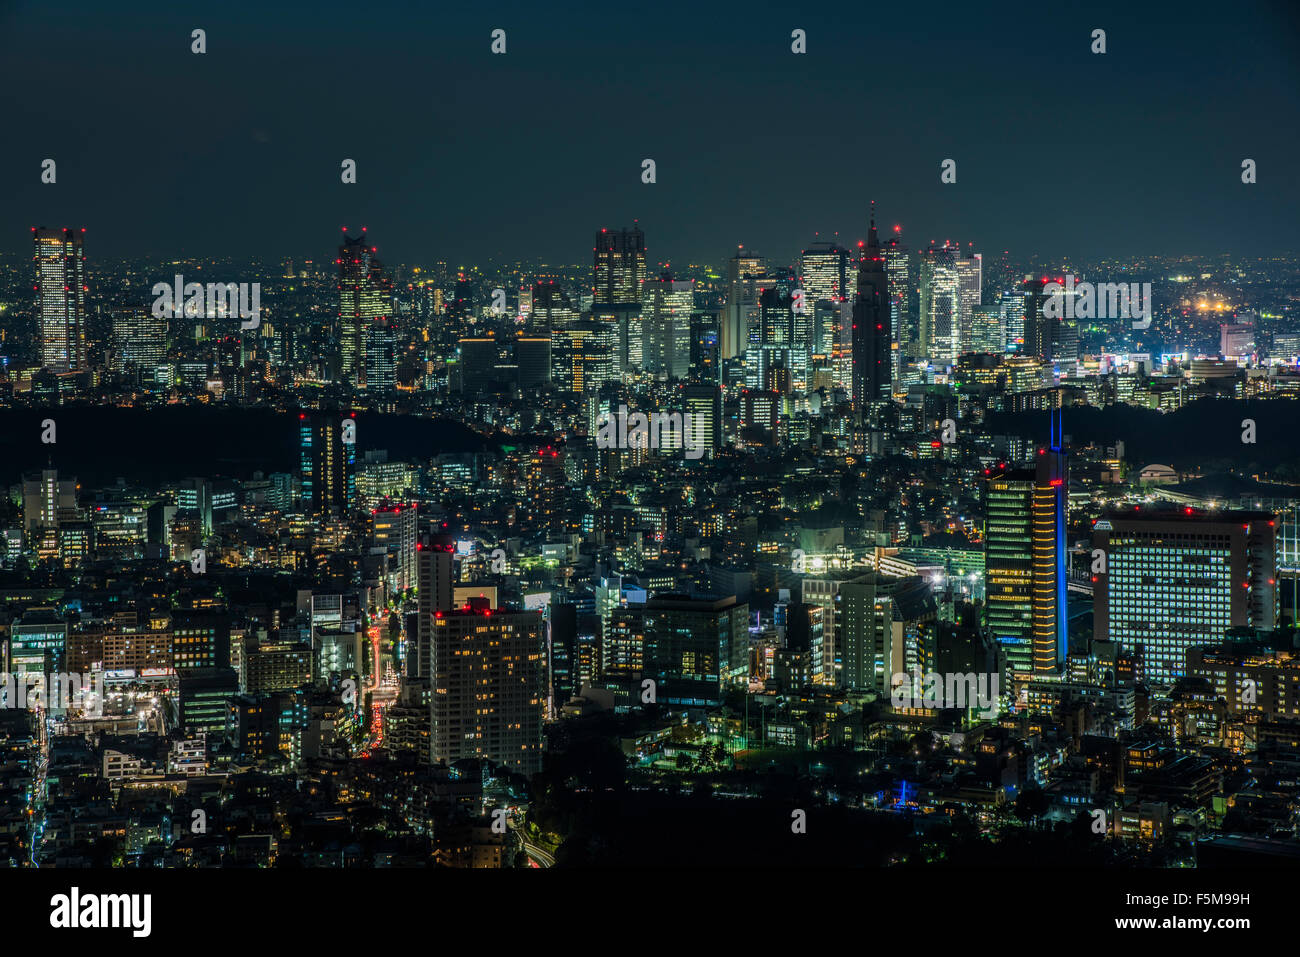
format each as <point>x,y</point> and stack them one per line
<point>488,687</point>
<point>1237,340</point>
<point>394,531</point>
<point>899,272</point>
<point>705,365</point>
<point>703,403</point>
<point>434,564</point>
<point>582,355</point>
<point>552,308</point>
<point>666,309</point>
<point>970,277</point>
<point>695,648</point>
<point>872,338</point>
<point>365,298</point>
<point>744,272</point>
<point>326,464</point>
<point>619,268</point>
<point>61,298</point>
<point>987,332</point>
<point>1176,578</point>
<point>1013,320</point>
<point>562,646</point>
<point>622,645</point>
<point>940,329</point>
<point>205,699</point>
<point>48,501</point>
<point>1053,339</point>
<point>824,272</point>
<point>38,643</point>
<point>479,356</point>
<point>1024,547</point>
<point>207,501</point>
<point>532,355</point>
<point>139,342</point>
<point>200,640</point>
<point>878,624</point>
<point>1050,511</point>
<point>629,340</point>
<point>381,357</point>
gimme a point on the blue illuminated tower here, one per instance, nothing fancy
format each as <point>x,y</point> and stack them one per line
<point>1050,513</point>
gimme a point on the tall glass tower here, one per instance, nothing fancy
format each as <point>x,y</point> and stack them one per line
<point>61,298</point>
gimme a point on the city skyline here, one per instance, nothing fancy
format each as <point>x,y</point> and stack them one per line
<point>494,157</point>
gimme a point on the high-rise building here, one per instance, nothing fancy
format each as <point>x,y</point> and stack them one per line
<point>488,686</point>
<point>365,299</point>
<point>1175,578</point>
<point>479,357</point>
<point>940,329</point>
<point>619,268</point>
<point>532,355</point>
<point>381,357</point>
<point>1025,578</point>
<point>327,465</point>
<point>434,563</point>
<point>987,333</point>
<point>666,309</point>
<point>970,277</point>
<point>394,531</point>
<point>744,274</point>
<point>695,647</point>
<point>878,622</point>
<point>1053,339</point>
<point>703,403</point>
<point>582,355</point>
<point>552,308</point>
<point>48,501</point>
<point>139,342</point>
<point>824,274</point>
<point>902,290</point>
<point>872,335</point>
<point>61,298</point>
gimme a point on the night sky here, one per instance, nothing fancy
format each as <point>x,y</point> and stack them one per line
<point>468,156</point>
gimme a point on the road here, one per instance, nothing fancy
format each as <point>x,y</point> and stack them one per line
<point>535,854</point>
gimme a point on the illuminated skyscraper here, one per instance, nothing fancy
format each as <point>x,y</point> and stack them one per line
<point>327,465</point>
<point>970,276</point>
<point>744,272</point>
<point>1025,523</point>
<point>666,326</point>
<point>434,564</point>
<point>365,299</point>
<point>1053,339</point>
<point>703,403</point>
<point>582,355</point>
<point>902,290</point>
<point>552,308</point>
<point>872,336</point>
<point>61,298</point>
<point>824,274</point>
<point>1175,578</point>
<point>620,267</point>
<point>488,687</point>
<point>940,330</point>
<point>139,342</point>
<point>394,531</point>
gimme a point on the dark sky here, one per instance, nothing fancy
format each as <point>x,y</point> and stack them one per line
<point>465,155</point>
